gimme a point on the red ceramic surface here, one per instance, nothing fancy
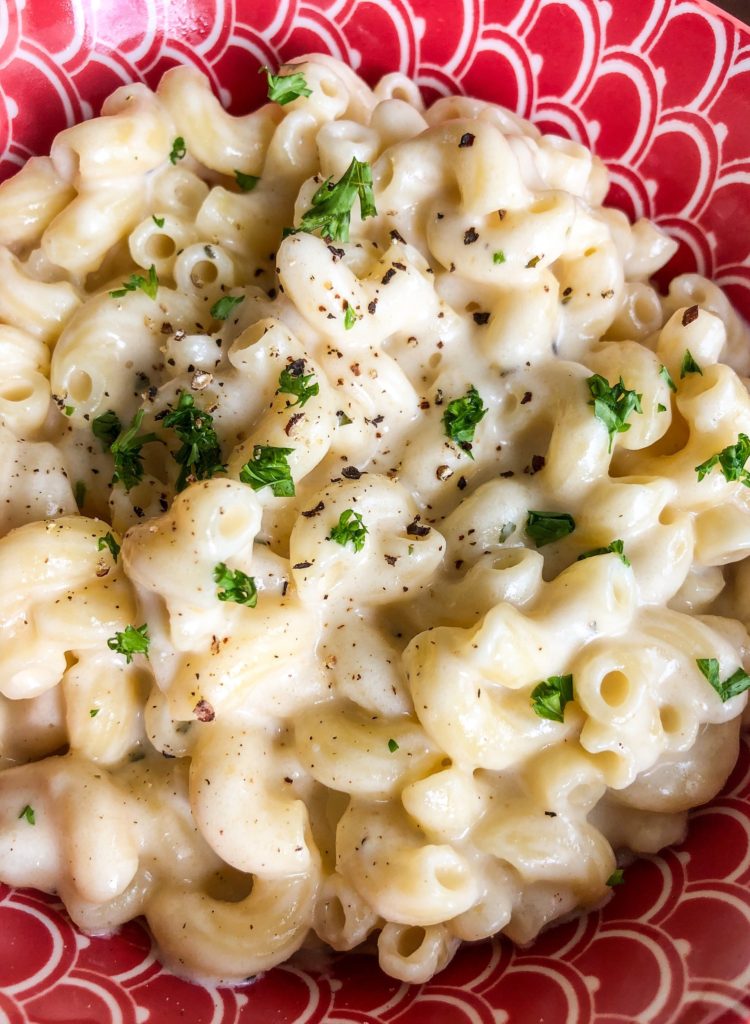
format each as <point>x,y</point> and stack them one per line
<point>661,90</point>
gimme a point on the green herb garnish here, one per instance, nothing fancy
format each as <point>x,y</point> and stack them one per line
<point>126,451</point>
<point>247,182</point>
<point>179,149</point>
<point>506,530</point>
<point>332,203</point>
<point>224,306</point>
<point>736,684</point>
<point>149,285</point>
<point>613,404</point>
<point>106,427</point>
<point>616,878</point>
<point>548,698</point>
<point>282,89</point>
<point>159,221</point>
<point>199,456</point>
<point>498,257</point>
<point>731,461</point>
<point>93,712</point>
<point>28,814</point>
<point>350,318</point>
<point>269,468</point>
<point>108,541</point>
<point>392,746</point>
<point>294,381</point>
<point>130,641</point>
<point>617,547</point>
<point>666,376</point>
<point>547,527</point>
<point>236,586</point>
<point>461,417</point>
<point>349,528</point>
<point>79,493</point>
<point>689,365</point>
<point>69,410</point>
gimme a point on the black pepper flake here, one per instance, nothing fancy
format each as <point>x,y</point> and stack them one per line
<point>391,559</point>
<point>537,463</point>
<point>396,236</point>
<point>501,214</point>
<point>467,140</point>
<point>390,273</point>
<point>609,294</point>
<point>443,472</point>
<point>481,318</point>
<point>138,511</point>
<point>355,369</point>
<point>336,253</point>
<point>507,474</point>
<point>526,398</point>
<point>204,712</point>
<point>372,305</point>
<point>314,511</point>
<point>424,404</point>
<point>163,503</point>
<point>302,565</point>
<point>470,236</point>
<point>284,588</point>
<point>458,563</point>
<point>293,420</point>
<point>166,327</point>
<point>551,814</point>
<point>399,266</point>
<point>440,216</point>
<point>690,315</point>
<point>415,530</point>
<point>351,473</point>
<point>461,483</point>
<point>438,396</point>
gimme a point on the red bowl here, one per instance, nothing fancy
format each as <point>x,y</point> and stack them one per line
<point>661,90</point>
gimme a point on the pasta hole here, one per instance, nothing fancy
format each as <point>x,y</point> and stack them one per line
<point>409,941</point>
<point>336,915</point>
<point>232,523</point>
<point>620,594</point>
<point>646,308</point>
<point>614,689</point>
<point>16,391</point>
<point>450,877</point>
<point>543,205</point>
<point>328,87</point>
<point>204,272</point>
<point>509,559</point>
<point>160,247</point>
<point>80,386</point>
<point>434,361</point>
<point>229,885</point>
<point>670,718</point>
<point>668,516</point>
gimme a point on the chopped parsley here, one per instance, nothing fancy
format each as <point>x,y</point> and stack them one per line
<point>613,404</point>
<point>498,257</point>
<point>179,150</point>
<point>533,262</point>
<point>661,408</point>
<point>505,531</point>
<point>269,468</point>
<point>28,814</point>
<point>79,493</point>
<point>93,712</point>
<point>731,461</point>
<point>294,381</point>
<point>736,684</point>
<point>350,318</point>
<point>689,365</point>
<point>461,417</point>
<point>548,698</point>
<point>332,203</point>
<point>616,878</point>
<point>149,285</point>
<point>199,455</point>
<point>132,640</point>
<point>547,527</point>
<point>617,547</point>
<point>108,541</point>
<point>126,451</point>
<point>159,221</point>
<point>392,746</point>
<point>246,182</point>
<point>349,528</point>
<point>107,428</point>
<point>69,410</point>
<point>666,376</point>
<point>222,308</point>
<point>235,586</point>
<point>282,89</point>
<point>343,419</point>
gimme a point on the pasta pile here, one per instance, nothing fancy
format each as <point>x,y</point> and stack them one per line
<point>373,534</point>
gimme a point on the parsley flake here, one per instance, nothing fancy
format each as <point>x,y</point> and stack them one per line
<point>292,381</point>
<point>548,698</point>
<point>282,89</point>
<point>731,460</point>
<point>506,530</point>
<point>350,318</point>
<point>106,427</point>
<point>734,685</point>
<point>79,493</point>
<point>332,203</point>
<point>159,221</point>
<point>69,410</point>
<point>108,541</point>
<point>343,419</point>
<point>666,376</point>
<point>222,308</point>
<point>661,408</point>
<point>149,285</point>
<point>126,451</point>
<point>617,547</point>
<point>547,527</point>
<point>616,878</point>
<point>246,182</point>
<point>498,257</point>
<point>269,468</point>
<point>350,527</point>
<point>28,814</point>
<point>461,417</point>
<point>179,150</point>
<point>613,404</point>
<point>132,640</point>
<point>235,586</point>
<point>392,746</point>
<point>689,365</point>
<point>199,455</point>
<point>93,712</point>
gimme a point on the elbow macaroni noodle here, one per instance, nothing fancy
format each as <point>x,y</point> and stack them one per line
<point>333,724</point>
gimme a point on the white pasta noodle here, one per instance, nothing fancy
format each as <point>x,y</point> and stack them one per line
<point>373,556</point>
